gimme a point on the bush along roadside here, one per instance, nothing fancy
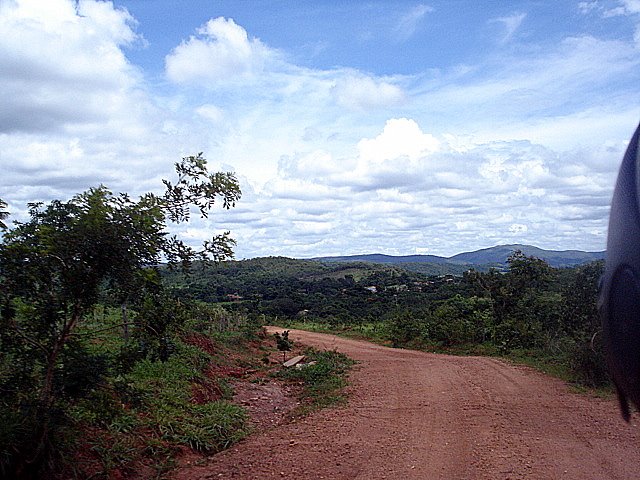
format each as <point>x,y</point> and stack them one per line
<point>128,407</point>
<point>322,378</point>
<point>141,420</point>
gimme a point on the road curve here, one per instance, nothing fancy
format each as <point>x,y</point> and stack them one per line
<point>415,415</point>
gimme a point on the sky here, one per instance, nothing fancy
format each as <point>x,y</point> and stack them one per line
<point>393,127</point>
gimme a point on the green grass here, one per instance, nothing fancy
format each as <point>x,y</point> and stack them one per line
<point>140,417</point>
<point>557,366</point>
<point>547,364</point>
<point>163,391</point>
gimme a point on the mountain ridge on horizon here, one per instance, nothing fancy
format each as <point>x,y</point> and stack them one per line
<point>496,255</point>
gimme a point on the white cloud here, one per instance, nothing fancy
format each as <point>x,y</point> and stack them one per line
<point>518,228</point>
<point>409,22</point>
<point>401,137</point>
<point>315,165</point>
<point>222,53</point>
<point>74,111</point>
<point>361,92</point>
<point>404,187</point>
<point>587,7</point>
<point>59,67</point>
<point>211,112</point>
<point>632,6</point>
<point>511,24</point>
<point>626,7</point>
<point>561,98</point>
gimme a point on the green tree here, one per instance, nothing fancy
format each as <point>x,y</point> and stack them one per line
<point>524,305</point>
<point>283,343</point>
<point>460,320</point>
<point>580,292</point>
<point>3,214</point>
<point>528,273</point>
<point>405,328</point>
<point>582,323</point>
<point>53,267</point>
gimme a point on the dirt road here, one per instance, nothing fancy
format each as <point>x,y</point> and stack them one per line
<point>414,415</point>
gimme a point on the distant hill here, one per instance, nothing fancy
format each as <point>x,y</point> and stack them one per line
<point>555,258</point>
<point>480,259</point>
<point>380,258</point>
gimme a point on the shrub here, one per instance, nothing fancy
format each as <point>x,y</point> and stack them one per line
<point>405,328</point>
<point>587,362</point>
<point>283,343</point>
<point>322,380</point>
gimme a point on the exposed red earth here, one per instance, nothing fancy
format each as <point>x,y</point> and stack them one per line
<point>416,415</point>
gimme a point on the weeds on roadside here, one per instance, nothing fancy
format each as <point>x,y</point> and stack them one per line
<point>137,419</point>
<point>163,390</point>
<point>322,378</point>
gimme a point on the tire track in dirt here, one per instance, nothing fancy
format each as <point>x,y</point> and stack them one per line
<point>415,415</point>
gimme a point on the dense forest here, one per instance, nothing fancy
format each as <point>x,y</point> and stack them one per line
<point>333,293</point>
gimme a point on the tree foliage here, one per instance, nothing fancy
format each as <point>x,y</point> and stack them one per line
<point>283,343</point>
<point>4,214</point>
<point>55,266</point>
<point>196,187</point>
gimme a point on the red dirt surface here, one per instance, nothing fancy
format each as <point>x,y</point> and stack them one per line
<point>415,415</point>
<point>268,404</point>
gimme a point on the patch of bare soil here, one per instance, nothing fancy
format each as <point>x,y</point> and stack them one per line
<point>414,415</point>
<point>268,404</point>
